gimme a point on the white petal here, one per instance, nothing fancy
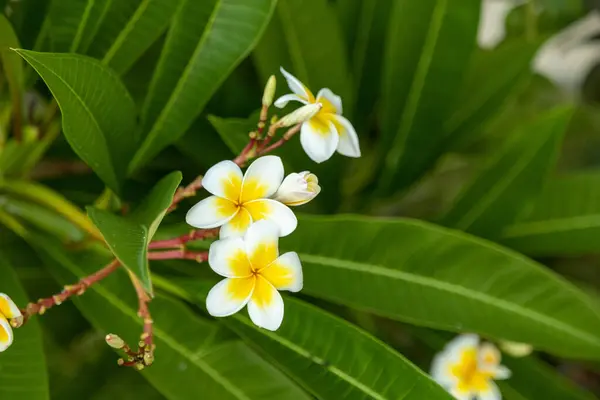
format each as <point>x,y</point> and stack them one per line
<point>296,86</point>
<point>440,370</point>
<point>229,296</point>
<point>262,179</point>
<point>224,179</point>
<point>319,139</point>
<point>489,355</point>
<point>461,395</point>
<point>237,226</point>
<point>8,307</point>
<point>332,103</point>
<point>266,305</point>
<point>285,273</point>
<point>501,373</point>
<point>211,212</point>
<point>262,243</point>
<point>227,257</point>
<point>274,211</point>
<point>6,334</point>
<point>286,98</point>
<point>493,393</point>
<point>461,343</point>
<point>348,144</point>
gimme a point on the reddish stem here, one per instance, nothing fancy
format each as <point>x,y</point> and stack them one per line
<point>182,240</point>
<point>286,136</point>
<point>179,254</point>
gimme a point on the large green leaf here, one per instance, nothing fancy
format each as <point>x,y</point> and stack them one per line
<point>66,21</point>
<point>128,237</point>
<point>429,46</point>
<point>234,131</point>
<point>206,41</point>
<point>513,179</point>
<point>564,221</point>
<point>98,114</point>
<point>328,355</point>
<point>194,358</point>
<point>12,65</point>
<point>306,39</point>
<point>428,275</point>
<point>23,365</point>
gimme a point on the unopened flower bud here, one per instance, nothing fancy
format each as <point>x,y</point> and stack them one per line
<point>516,349</point>
<point>269,92</point>
<point>298,188</point>
<point>301,115</point>
<point>115,341</point>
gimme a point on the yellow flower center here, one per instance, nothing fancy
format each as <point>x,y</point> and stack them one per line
<point>470,377</point>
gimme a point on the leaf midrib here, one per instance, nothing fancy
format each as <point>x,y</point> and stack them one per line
<point>450,288</point>
<point>552,225</point>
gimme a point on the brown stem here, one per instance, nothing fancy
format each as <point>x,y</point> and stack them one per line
<point>179,254</point>
<point>286,136</point>
<point>178,242</point>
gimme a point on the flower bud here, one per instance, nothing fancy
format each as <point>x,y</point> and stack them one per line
<point>516,349</point>
<point>114,341</point>
<point>302,114</point>
<point>298,188</point>
<point>269,92</point>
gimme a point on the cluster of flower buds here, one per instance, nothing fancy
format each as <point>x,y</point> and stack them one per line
<point>139,360</point>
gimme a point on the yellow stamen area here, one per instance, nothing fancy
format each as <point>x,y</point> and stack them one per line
<point>241,221</point>
<point>264,254</point>
<point>470,377</point>
<point>263,292</point>
<point>4,335</point>
<point>253,189</point>
<point>328,107</point>
<point>5,307</point>
<point>490,357</point>
<point>258,209</point>
<point>239,264</point>
<point>240,288</point>
<point>225,208</point>
<point>278,275</point>
<point>232,185</point>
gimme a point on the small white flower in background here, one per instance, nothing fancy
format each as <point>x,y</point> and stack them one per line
<point>516,349</point>
<point>467,369</point>
<point>327,131</point>
<point>492,22</point>
<point>8,312</point>
<point>298,189</point>
<point>238,200</point>
<point>254,273</point>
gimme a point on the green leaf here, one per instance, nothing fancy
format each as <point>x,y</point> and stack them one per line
<point>67,19</point>
<point>101,132</point>
<point>306,39</point>
<point>128,237</point>
<point>23,365</point>
<point>233,131</point>
<point>328,355</point>
<point>429,46</point>
<point>93,15</point>
<point>129,29</point>
<point>12,65</point>
<point>428,275</point>
<point>564,221</point>
<point>193,356</point>
<point>513,179</point>
<point>206,41</point>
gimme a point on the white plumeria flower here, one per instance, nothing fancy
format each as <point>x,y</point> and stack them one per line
<point>298,189</point>
<point>238,200</point>
<point>8,311</point>
<point>254,273</point>
<point>467,369</point>
<point>327,131</point>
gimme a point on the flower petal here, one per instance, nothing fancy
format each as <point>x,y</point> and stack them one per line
<point>492,392</point>
<point>285,273</point>
<point>211,212</point>
<point>489,356</point>
<point>461,394</point>
<point>262,179</point>
<point>6,334</point>
<point>465,342</point>
<point>261,243</point>
<point>286,98</point>
<point>297,87</point>
<point>227,257</point>
<point>332,103</point>
<point>441,370</point>
<point>501,373</point>
<point>348,144</point>
<point>273,211</point>
<point>8,308</point>
<point>319,138</point>
<point>224,179</point>
<point>229,296</point>
<point>237,226</point>
<point>266,305</point>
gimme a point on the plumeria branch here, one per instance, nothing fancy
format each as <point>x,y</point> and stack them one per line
<point>179,254</point>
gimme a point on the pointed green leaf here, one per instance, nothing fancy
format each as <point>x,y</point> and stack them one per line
<point>328,355</point>
<point>128,237</point>
<point>233,131</point>
<point>23,364</point>
<point>101,132</point>
<point>427,275</point>
<point>206,41</point>
<point>429,46</point>
<point>193,356</point>
<point>565,220</point>
<point>511,181</point>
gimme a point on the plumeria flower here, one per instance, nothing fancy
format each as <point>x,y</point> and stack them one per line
<point>8,311</point>
<point>468,370</point>
<point>327,131</point>
<point>238,200</point>
<point>254,272</point>
<point>298,189</point>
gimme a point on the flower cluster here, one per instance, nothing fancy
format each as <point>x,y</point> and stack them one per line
<point>10,316</point>
<point>467,369</point>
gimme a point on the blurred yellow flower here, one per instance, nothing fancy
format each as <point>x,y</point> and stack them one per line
<point>8,312</point>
